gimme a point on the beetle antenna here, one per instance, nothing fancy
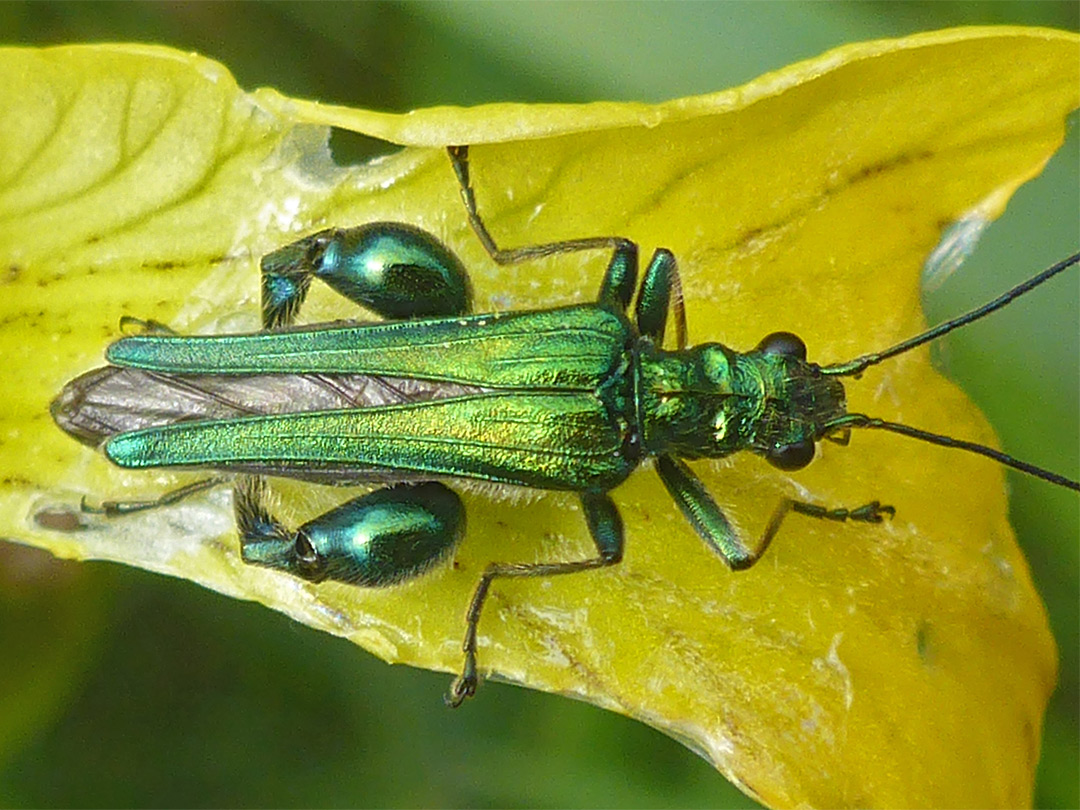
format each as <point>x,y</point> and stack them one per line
<point>858,420</point>
<point>860,364</point>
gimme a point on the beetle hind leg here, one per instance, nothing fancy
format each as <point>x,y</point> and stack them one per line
<point>377,539</point>
<point>397,270</point>
<point>116,508</point>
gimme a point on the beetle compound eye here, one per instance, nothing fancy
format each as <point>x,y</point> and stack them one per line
<point>786,343</point>
<point>792,456</point>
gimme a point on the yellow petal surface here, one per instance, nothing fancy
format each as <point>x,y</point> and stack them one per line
<point>906,664</point>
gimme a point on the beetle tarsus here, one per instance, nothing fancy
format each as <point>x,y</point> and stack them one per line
<point>464,685</point>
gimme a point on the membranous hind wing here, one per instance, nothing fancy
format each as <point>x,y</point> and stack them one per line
<point>108,401</point>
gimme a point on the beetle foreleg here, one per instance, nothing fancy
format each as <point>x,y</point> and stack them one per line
<point>710,522</point>
<point>873,512</point>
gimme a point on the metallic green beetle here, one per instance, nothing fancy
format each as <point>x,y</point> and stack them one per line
<point>573,399</point>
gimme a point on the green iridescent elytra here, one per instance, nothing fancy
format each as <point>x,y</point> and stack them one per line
<point>572,399</point>
<point>557,413</point>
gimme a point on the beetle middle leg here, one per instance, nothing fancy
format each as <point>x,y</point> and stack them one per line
<point>620,278</point>
<point>606,529</point>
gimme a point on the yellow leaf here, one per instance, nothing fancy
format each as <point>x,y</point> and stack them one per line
<point>903,664</point>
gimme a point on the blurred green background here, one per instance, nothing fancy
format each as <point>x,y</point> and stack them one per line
<point>122,688</point>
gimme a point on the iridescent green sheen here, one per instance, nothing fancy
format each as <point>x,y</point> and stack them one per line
<point>374,540</point>
<point>559,415</point>
<point>710,401</point>
<point>571,349</point>
<point>396,269</point>
<point>570,399</point>
<point>560,399</point>
<point>540,440</point>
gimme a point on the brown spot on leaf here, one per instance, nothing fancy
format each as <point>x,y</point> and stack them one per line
<point>60,519</point>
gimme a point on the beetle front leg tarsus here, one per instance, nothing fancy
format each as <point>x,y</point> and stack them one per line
<point>713,526</point>
<point>605,527</point>
<point>873,512</point>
